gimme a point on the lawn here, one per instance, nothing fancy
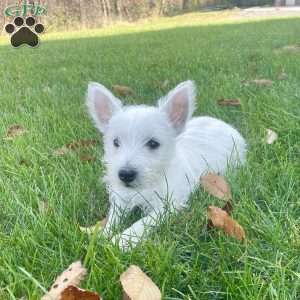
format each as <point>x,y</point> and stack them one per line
<point>43,90</point>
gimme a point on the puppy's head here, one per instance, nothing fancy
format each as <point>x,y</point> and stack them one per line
<point>139,141</point>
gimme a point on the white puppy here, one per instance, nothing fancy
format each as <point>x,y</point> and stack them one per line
<point>155,155</point>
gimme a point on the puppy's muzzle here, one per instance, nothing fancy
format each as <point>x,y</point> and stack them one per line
<point>127,175</point>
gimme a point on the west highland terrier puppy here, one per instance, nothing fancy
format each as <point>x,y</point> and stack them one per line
<point>155,155</point>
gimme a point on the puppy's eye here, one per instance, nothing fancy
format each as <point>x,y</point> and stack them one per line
<point>116,143</point>
<point>152,144</point>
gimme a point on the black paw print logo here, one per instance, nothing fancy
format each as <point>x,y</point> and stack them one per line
<point>24,34</point>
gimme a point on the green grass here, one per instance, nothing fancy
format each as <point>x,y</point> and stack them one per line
<point>44,91</point>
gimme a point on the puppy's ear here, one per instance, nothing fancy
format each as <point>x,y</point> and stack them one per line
<point>102,105</point>
<point>179,104</point>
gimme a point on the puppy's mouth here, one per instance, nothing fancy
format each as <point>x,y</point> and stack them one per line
<point>130,185</point>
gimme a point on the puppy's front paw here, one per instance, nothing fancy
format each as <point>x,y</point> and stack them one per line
<point>125,241</point>
<point>122,243</point>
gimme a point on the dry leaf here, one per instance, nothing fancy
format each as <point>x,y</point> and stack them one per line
<point>262,82</point>
<point>122,90</point>
<point>74,293</point>
<point>289,49</point>
<point>87,158</point>
<point>282,76</point>
<point>24,162</point>
<point>138,286</point>
<point>73,146</point>
<point>61,151</point>
<point>216,185</point>
<point>229,102</point>
<point>43,207</point>
<point>271,136</point>
<point>81,144</point>
<point>220,219</point>
<point>91,229</point>
<point>164,85</point>
<point>227,207</point>
<point>14,131</point>
<point>71,276</point>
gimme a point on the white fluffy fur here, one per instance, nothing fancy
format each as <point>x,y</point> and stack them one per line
<point>168,174</point>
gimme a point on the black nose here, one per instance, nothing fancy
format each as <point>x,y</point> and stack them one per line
<point>127,175</point>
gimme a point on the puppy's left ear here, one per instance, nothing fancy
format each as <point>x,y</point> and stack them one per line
<point>179,104</point>
<point>102,105</point>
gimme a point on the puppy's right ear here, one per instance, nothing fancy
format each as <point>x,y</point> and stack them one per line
<point>102,105</point>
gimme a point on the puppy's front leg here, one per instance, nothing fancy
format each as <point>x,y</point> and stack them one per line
<point>132,235</point>
<point>115,213</point>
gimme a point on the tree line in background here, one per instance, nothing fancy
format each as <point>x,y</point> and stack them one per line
<point>75,14</point>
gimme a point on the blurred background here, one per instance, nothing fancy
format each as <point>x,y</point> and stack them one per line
<point>77,14</point>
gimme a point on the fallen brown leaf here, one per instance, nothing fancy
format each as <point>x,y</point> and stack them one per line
<point>122,90</point>
<point>262,82</point>
<point>75,293</point>
<point>71,276</point>
<point>229,102</point>
<point>138,286</point>
<point>216,185</point>
<point>227,207</point>
<point>15,131</point>
<point>43,207</point>
<point>288,49</point>
<point>220,219</point>
<point>91,229</point>
<point>164,85</point>
<point>81,144</point>
<point>61,151</point>
<point>282,76</point>
<point>271,136</point>
<point>24,162</point>
<point>73,146</point>
<point>87,158</point>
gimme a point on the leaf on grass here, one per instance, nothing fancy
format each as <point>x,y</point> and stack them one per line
<point>122,90</point>
<point>73,146</point>
<point>165,84</point>
<point>227,207</point>
<point>43,207</point>
<point>91,229</point>
<point>216,185</point>
<point>138,286</point>
<point>15,131</point>
<point>258,82</point>
<point>81,144</point>
<point>162,85</point>
<point>61,151</point>
<point>288,49</point>
<point>271,136</point>
<point>24,162</point>
<point>71,276</point>
<point>262,82</point>
<point>75,293</point>
<point>220,219</point>
<point>229,102</point>
<point>282,76</point>
<point>87,158</point>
